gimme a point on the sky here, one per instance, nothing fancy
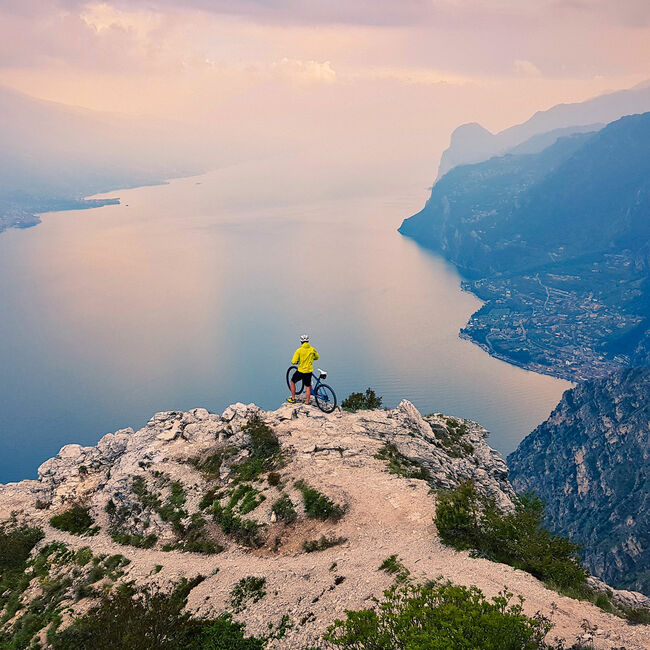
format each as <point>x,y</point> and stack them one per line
<point>368,80</point>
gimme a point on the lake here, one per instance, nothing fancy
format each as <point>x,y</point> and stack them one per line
<point>194,293</point>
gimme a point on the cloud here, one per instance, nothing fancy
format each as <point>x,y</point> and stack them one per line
<point>526,68</point>
<point>306,71</point>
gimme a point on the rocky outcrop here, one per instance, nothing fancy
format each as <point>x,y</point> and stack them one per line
<point>224,497</point>
<point>590,463</point>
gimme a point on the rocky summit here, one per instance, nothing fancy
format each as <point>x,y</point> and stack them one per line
<point>287,515</point>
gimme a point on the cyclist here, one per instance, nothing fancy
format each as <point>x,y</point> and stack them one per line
<point>304,356</point>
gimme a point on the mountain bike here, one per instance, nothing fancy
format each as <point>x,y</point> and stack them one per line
<point>323,394</point>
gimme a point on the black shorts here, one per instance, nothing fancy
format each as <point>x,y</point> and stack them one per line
<point>305,377</point>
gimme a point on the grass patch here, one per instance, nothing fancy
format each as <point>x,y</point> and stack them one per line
<point>393,566</point>
<point>451,438</point>
<point>467,520</point>
<point>273,478</point>
<point>134,539</point>
<point>264,448</point>
<point>440,615</point>
<point>317,505</point>
<point>244,531</point>
<point>361,401</point>
<point>210,497</point>
<point>284,509</point>
<point>245,499</point>
<point>75,520</point>
<point>322,544</point>
<point>399,464</point>
<point>247,590</point>
<point>210,466</point>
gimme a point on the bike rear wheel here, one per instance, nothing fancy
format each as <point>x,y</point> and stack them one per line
<point>325,398</point>
<point>300,384</point>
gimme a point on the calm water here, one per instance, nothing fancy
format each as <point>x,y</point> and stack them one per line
<point>194,293</point>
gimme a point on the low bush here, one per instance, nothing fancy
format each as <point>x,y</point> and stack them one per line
<point>76,520</point>
<point>273,478</point>
<point>128,618</point>
<point>466,520</point>
<point>134,539</point>
<point>317,505</point>
<point>451,438</point>
<point>399,464</point>
<point>245,499</point>
<point>263,442</point>
<point>244,531</point>
<point>361,401</point>
<point>250,589</point>
<point>322,544</point>
<point>284,509</point>
<point>16,543</point>
<point>439,615</point>
<point>393,566</point>
<point>264,448</point>
<point>210,465</point>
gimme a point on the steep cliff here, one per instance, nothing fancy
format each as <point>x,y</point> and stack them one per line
<point>590,463</point>
<point>556,244</point>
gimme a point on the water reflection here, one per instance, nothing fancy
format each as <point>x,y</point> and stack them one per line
<point>193,295</point>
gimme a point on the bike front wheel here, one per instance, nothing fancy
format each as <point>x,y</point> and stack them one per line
<point>300,385</point>
<point>325,398</point>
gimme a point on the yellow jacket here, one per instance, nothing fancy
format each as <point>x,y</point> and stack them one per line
<point>305,356</point>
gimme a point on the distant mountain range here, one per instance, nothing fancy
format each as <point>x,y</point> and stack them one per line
<point>558,245</point>
<point>472,143</point>
<point>589,463</point>
<point>52,155</point>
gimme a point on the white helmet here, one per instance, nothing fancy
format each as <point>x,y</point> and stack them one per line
<point>304,338</point>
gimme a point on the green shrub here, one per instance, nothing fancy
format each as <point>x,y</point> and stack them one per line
<point>452,438</point>
<point>361,401</point>
<point>284,509</point>
<point>245,499</point>
<point>128,619</point>
<point>16,543</point>
<point>399,464</point>
<point>134,539</point>
<point>263,442</point>
<point>147,498</point>
<point>210,466</point>
<point>317,505</point>
<point>264,448</point>
<point>467,520</point>
<point>83,556</point>
<point>208,499</point>
<point>439,615</point>
<point>245,531</point>
<point>76,520</point>
<point>249,589</point>
<point>322,544</point>
<point>273,478</point>
<point>393,566</point>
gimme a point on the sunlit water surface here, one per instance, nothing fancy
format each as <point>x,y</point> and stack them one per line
<point>194,293</point>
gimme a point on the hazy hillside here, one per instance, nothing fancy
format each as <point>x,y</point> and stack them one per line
<point>52,155</point>
<point>557,243</point>
<point>589,463</point>
<point>472,143</point>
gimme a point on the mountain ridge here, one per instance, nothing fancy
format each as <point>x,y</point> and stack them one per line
<point>557,301</point>
<point>380,504</point>
<point>471,143</point>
